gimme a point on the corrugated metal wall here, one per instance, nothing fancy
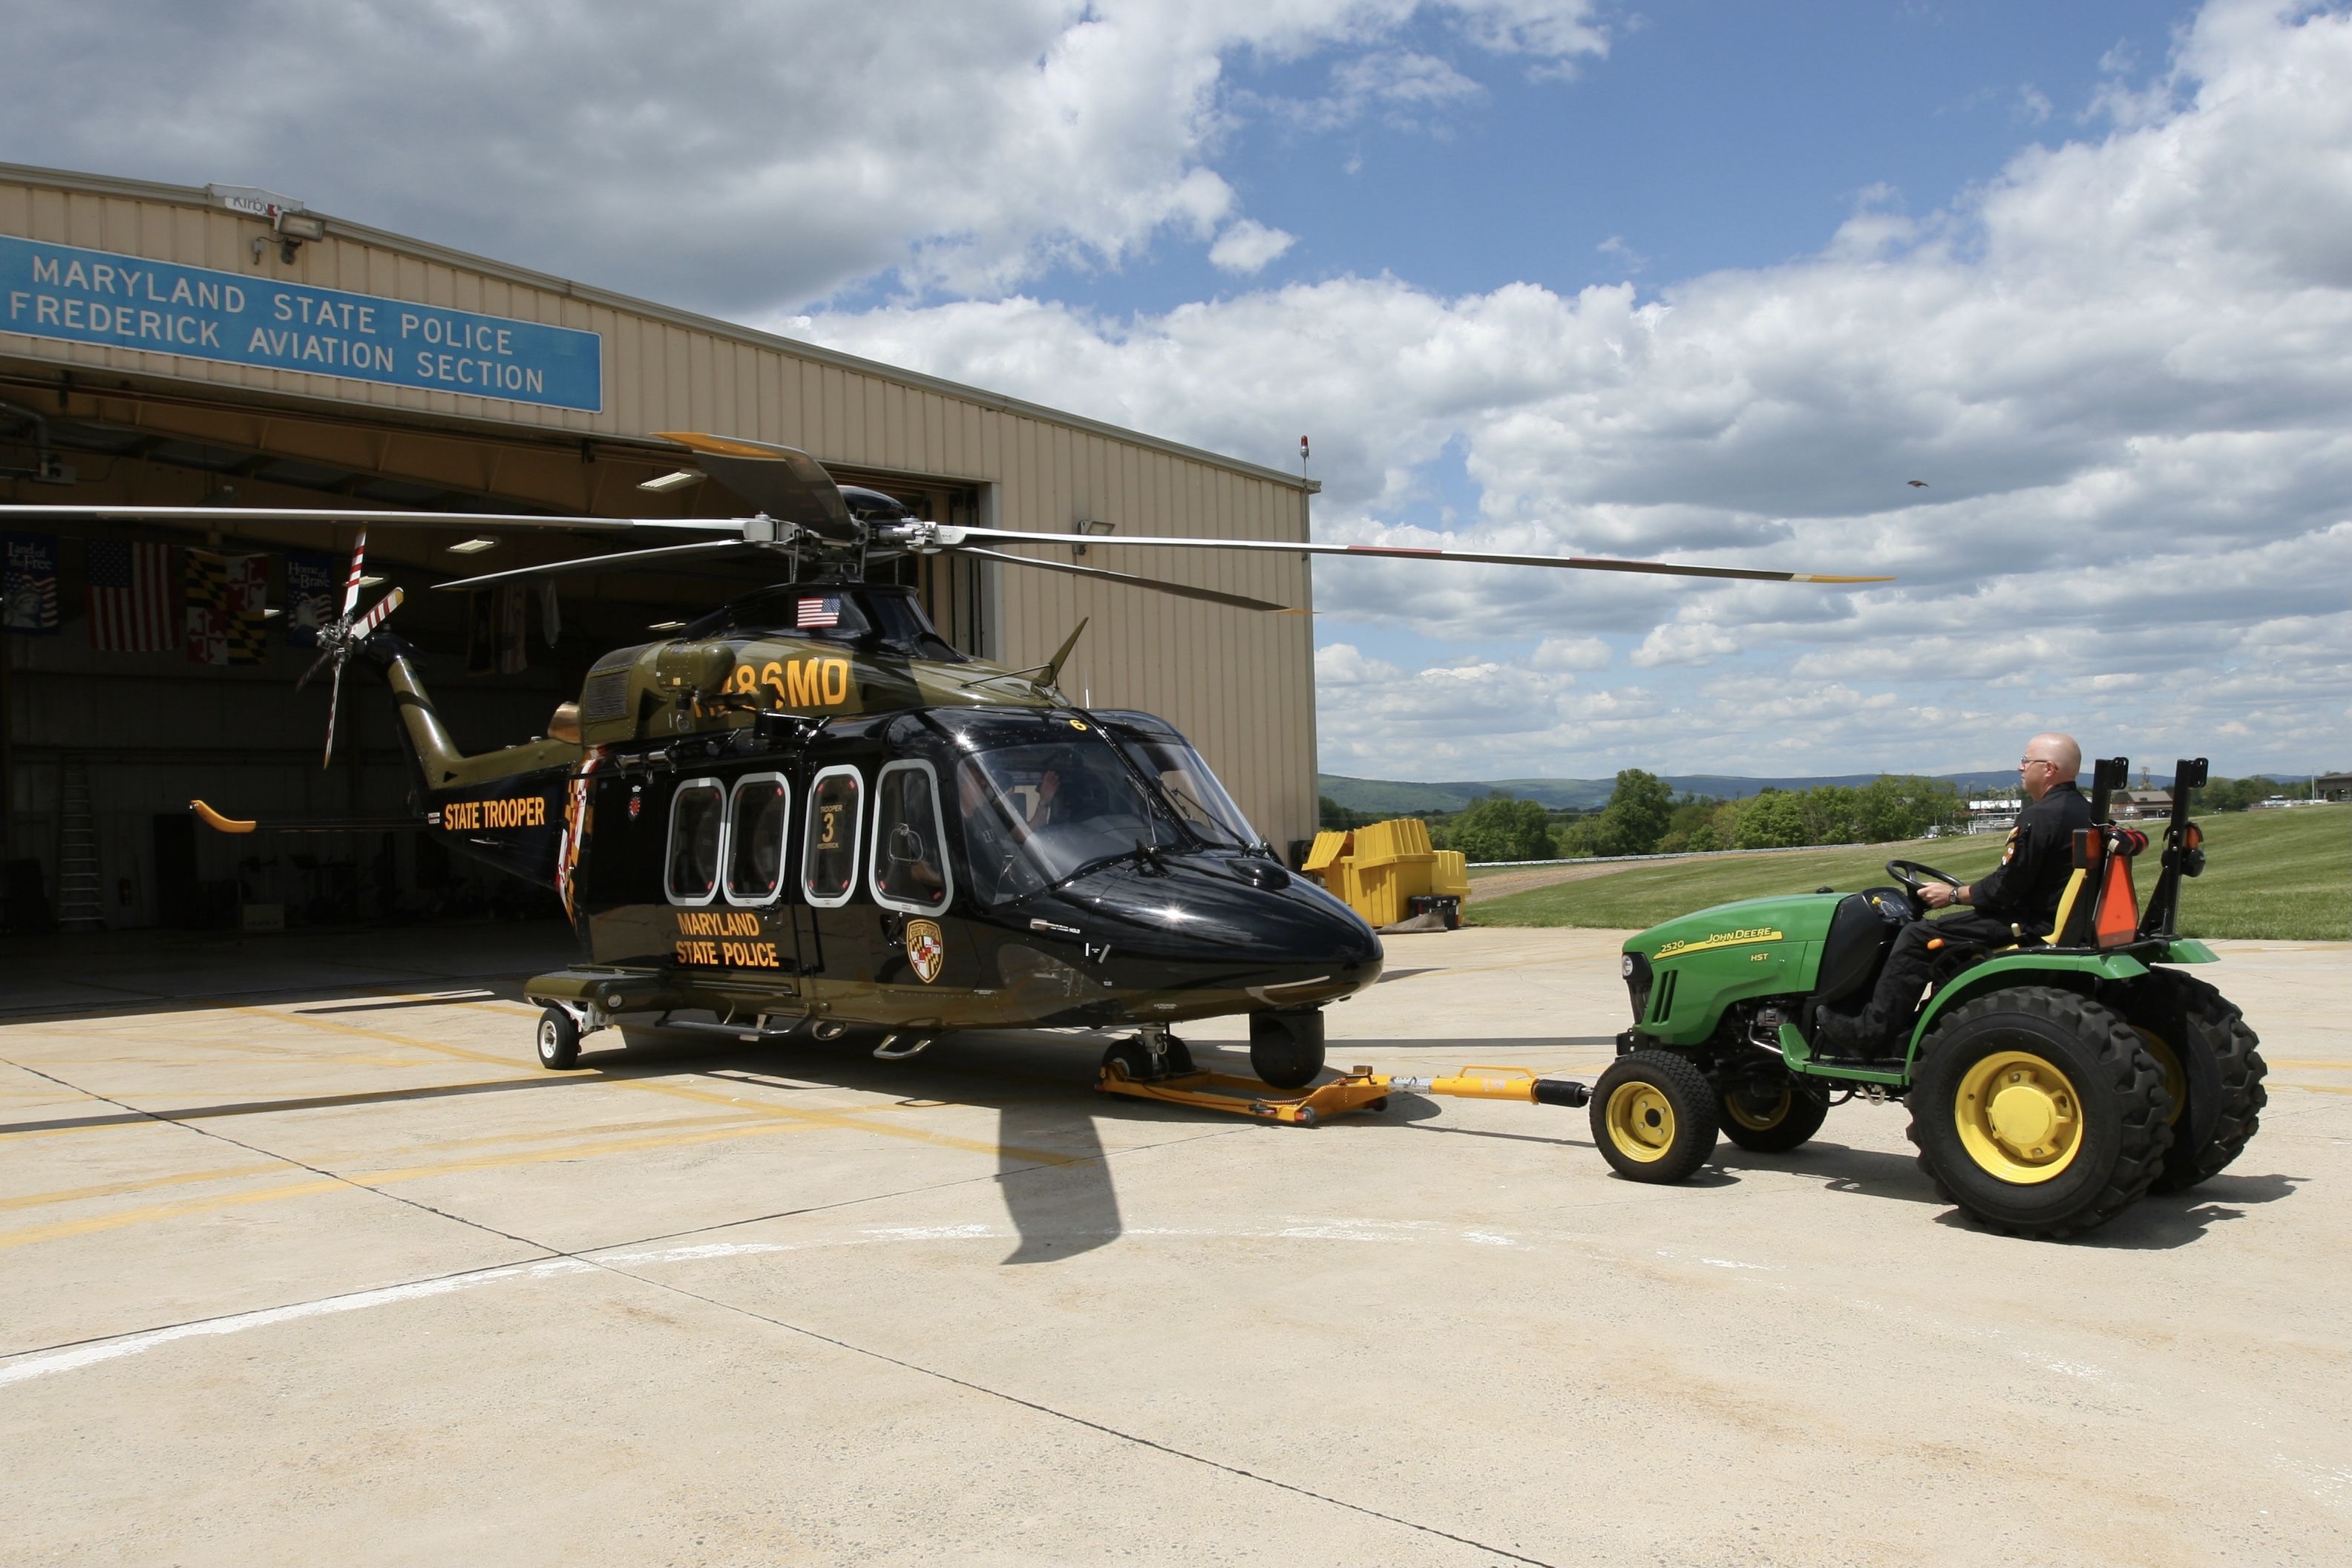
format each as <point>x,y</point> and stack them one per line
<point>1241,684</point>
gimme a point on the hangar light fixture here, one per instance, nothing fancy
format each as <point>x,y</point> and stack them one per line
<point>668,482</point>
<point>1088,526</point>
<point>665,626</point>
<point>472,547</point>
<point>371,580</point>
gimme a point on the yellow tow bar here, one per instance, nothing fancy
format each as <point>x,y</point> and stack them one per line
<point>1360,1089</point>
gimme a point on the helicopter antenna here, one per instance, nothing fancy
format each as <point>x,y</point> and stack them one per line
<point>1051,668</point>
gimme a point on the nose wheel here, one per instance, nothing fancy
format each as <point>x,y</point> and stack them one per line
<point>1152,1055</point>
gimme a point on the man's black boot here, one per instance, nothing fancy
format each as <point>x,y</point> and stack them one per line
<point>1851,1037</point>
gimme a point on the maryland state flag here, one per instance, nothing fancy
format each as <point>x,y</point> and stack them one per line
<point>227,596</point>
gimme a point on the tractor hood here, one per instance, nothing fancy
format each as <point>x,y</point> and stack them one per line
<point>1792,917</point>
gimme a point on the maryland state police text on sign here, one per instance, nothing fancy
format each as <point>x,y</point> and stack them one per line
<point>161,308</point>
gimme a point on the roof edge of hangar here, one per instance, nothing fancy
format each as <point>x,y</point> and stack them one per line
<point>195,196</point>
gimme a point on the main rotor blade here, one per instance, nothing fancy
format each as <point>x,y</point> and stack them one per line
<point>1400,552</point>
<point>783,482</point>
<point>316,664</point>
<point>1182,590</point>
<point>620,559</point>
<point>476,520</point>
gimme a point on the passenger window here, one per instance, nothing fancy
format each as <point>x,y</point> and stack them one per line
<point>829,860</point>
<point>697,815</point>
<point>910,868</point>
<point>756,819</point>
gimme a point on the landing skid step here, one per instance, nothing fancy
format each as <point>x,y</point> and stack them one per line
<point>1361,1089</point>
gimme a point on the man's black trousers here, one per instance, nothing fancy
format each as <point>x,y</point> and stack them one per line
<point>1908,963</point>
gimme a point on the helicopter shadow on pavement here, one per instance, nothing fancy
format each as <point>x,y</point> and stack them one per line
<point>1053,1166</point>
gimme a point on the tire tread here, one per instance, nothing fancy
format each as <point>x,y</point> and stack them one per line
<point>2131,1071</point>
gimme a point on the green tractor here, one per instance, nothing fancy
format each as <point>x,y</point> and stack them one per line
<point>2051,1085</point>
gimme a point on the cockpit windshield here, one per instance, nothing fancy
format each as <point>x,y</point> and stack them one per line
<point>1037,813</point>
<point>1185,778</point>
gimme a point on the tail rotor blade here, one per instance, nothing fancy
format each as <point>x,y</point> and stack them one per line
<point>335,703</point>
<point>315,665</point>
<point>351,583</point>
<point>375,615</point>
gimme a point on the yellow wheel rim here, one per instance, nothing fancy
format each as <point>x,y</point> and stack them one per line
<point>1641,1121</point>
<point>2018,1117</point>
<point>1764,1121</point>
<point>2167,1060</point>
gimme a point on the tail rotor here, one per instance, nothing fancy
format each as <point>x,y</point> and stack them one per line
<point>339,638</point>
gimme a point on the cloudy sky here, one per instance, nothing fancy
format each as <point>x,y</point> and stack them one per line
<point>1702,282</point>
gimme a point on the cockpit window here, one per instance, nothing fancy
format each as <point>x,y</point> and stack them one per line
<point>1185,778</point>
<point>910,869</point>
<point>1037,813</point>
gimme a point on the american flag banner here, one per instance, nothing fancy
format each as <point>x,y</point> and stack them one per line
<point>311,579</point>
<point>818,613</point>
<point>28,583</point>
<point>132,605</point>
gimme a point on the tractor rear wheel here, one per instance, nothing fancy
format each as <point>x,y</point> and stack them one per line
<point>1772,1116</point>
<point>2211,1070</point>
<point>2037,1112</point>
<point>1654,1116</point>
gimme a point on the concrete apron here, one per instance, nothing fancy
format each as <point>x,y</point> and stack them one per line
<point>324,1265</point>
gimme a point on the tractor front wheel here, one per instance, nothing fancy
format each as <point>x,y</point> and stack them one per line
<point>2211,1070</point>
<point>2038,1112</point>
<point>1772,1116</point>
<point>1654,1116</point>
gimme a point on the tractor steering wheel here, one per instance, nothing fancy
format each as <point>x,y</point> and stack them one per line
<point>1912,874</point>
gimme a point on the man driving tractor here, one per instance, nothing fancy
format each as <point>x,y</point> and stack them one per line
<point>2017,901</point>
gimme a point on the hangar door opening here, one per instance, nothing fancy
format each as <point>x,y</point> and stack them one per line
<point>150,662</point>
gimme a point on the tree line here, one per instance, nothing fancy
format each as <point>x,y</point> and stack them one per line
<point>1644,816</point>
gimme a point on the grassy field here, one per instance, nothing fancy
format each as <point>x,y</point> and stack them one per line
<point>2280,875</point>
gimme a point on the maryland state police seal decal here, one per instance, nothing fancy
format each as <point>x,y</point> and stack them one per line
<point>927,950</point>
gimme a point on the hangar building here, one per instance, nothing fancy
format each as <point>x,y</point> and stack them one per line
<point>165,345</point>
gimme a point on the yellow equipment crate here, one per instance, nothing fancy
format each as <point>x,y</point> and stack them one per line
<point>1379,871</point>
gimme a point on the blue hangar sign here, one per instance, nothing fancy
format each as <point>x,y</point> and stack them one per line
<point>128,302</point>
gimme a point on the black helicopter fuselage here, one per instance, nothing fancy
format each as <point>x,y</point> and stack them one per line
<point>796,828</point>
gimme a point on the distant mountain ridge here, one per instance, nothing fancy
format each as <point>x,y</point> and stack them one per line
<point>1404,799</point>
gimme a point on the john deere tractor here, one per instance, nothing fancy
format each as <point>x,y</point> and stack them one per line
<point>2051,1083</point>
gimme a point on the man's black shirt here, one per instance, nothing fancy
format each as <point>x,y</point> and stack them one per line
<point>2025,888</point>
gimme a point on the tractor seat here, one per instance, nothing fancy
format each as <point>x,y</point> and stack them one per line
<point>1861,933</point>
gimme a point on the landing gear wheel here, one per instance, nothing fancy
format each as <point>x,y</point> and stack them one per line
<point>2211,1069</point>
<point>1287,1048</point>
<point>1766,1117</point>
<point>1654,1116</point>
<point>559,1040</point>
<point>2038,1112</point>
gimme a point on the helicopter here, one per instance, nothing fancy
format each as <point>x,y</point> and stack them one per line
<point>807,811</point>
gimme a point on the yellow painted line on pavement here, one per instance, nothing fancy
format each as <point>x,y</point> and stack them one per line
<point>2301,1065</point>
<point>120,1188</point>
<point>62,1230</point>
<point>2320,1088</point>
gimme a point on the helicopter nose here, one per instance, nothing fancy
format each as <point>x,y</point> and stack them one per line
<point>1259,937</point>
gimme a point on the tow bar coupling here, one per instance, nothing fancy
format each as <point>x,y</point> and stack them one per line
<point>1360,1089</point>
